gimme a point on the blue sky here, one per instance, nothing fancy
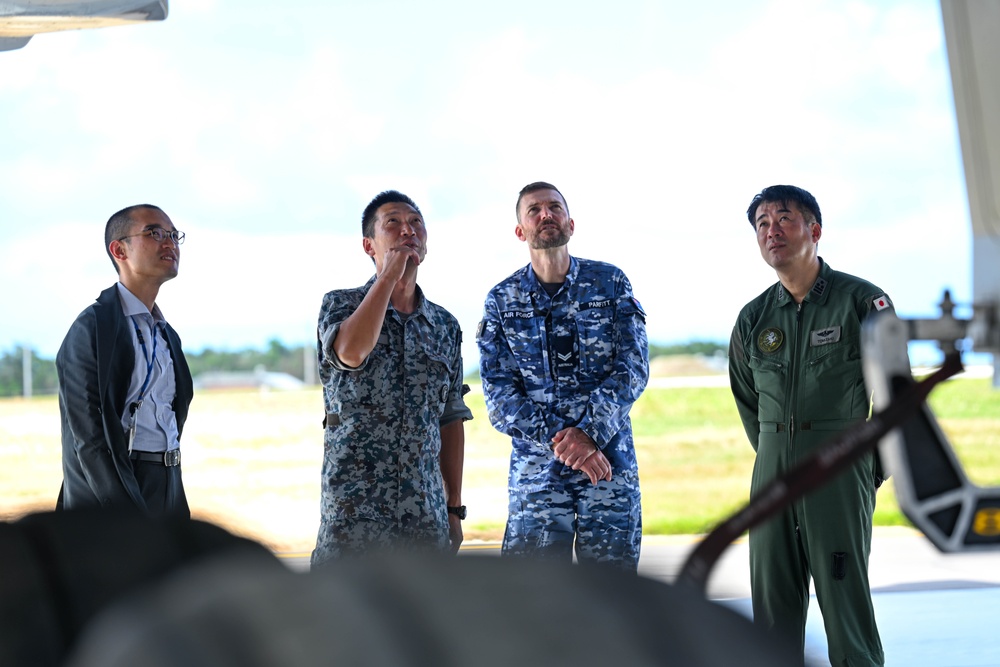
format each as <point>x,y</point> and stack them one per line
<point>263,132</point>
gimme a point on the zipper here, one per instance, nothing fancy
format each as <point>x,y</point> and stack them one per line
<point>794,377</point>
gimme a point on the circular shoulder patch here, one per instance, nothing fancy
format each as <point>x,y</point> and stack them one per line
<point>770,340</point>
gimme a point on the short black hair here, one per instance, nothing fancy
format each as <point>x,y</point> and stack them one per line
<point>119,226</point>
<point>380,200</point>
<point>783,194</point>
<point>535,187</point>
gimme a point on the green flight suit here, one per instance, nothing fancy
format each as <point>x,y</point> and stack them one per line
<point>795,371</point>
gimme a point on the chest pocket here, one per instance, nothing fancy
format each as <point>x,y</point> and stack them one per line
<point>595,328</point>
<point>371,386</point>
<point>770,378</point>
<point>524,336</point>
<point>832,383</point>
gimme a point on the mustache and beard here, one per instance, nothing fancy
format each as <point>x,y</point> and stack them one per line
<point>548,235</point>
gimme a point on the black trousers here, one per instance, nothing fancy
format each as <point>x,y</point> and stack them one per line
<point>162,489</point>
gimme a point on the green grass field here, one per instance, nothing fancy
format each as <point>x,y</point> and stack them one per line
<point>252,459</point>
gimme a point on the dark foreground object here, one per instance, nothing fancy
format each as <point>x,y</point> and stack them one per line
<point>98,589</point>
<point>59,570</point>
<point>416,610</point>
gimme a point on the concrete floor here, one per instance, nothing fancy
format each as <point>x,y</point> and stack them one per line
<point>933,609</point>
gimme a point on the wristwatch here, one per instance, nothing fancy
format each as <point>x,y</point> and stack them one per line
<point>458,511</point>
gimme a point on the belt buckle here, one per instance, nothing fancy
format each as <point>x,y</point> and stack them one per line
<point>172,457</point>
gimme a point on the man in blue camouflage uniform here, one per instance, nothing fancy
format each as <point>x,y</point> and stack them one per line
<point>563,356</point>
<point>795,370</point>
<point>391,366</point>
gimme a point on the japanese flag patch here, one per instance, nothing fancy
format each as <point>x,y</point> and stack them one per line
<point>881,302</point>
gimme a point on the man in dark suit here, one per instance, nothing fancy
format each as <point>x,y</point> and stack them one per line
<point>124,385</point>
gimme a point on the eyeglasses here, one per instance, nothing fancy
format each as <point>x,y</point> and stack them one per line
<point>159,235</point>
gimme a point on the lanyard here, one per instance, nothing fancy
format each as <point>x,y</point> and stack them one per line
<point>150,360</point>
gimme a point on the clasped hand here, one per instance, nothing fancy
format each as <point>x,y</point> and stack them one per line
<point>577,450</point>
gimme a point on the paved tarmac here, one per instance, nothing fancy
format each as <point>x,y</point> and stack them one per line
<point>933,609</point>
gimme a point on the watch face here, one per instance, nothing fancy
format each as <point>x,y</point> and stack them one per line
<point>460,512</point>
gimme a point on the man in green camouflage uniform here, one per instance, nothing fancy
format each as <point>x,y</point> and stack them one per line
<point>795,371</point>
<point>391,366</point>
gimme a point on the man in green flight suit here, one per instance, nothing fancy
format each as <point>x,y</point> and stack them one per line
<point>795,372</point>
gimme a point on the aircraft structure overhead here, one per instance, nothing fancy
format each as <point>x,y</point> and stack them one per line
<point>970,29</point>
<point>931,485</point>
<point>20,21</point>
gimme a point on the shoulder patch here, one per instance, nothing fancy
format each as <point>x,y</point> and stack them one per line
<point>639,306</point>
<point>484,327</point>
<point>881,302</point>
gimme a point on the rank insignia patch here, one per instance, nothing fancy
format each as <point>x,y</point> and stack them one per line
<point>770,340</point>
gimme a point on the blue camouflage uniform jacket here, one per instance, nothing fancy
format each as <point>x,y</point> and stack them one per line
<point>383,429</point>
<point>579,358</point>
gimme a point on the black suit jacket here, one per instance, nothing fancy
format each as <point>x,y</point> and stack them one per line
<point>94,365</point>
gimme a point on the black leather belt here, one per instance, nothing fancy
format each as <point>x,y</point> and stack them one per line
<point>169,458</point>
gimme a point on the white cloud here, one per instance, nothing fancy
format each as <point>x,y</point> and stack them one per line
<point>292,130</point>
<point>50,276</point>
<point>237,290</point>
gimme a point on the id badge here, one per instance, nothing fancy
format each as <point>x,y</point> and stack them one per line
<point>131,434</point>
<point>134,409</point>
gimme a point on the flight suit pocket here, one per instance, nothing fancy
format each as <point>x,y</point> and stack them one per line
<point>769,378</point>
<point>832,384</point>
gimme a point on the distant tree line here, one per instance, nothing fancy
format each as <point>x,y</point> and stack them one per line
<point>703,347</point>
<point>43,374</point>
<point>276,358</point>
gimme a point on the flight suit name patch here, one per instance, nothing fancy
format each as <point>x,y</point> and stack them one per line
<point>770,340</point>
<point>824,336</point>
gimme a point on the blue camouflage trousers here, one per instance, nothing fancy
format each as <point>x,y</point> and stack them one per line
<point>407,534</point>
<point>605,521</point>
